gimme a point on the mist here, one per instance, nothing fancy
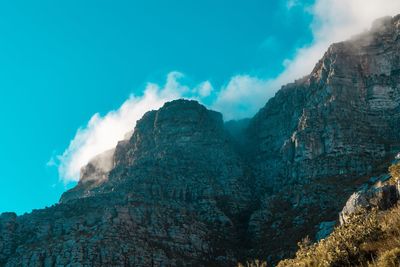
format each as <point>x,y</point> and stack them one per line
<point>242,95</point>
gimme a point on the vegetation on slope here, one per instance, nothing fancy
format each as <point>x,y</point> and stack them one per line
<point>370,238</point>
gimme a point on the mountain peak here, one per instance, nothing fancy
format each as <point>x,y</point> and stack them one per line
<point>181,192</point>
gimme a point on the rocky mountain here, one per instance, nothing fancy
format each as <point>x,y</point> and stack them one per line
<point>187,189</point>
<point>322,136</point>
<point>369,230</point>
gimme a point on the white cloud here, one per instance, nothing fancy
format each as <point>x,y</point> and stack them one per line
<point>103,132</point>
<point>337,20</point>
<point>333,21</point>
<point>243,95</point>
<point>204,89</point>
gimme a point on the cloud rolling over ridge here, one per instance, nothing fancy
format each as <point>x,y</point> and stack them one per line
<point>103,132</point>
<point>242,96</point>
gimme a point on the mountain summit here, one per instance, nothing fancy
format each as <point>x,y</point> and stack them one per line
<point>187,189</point>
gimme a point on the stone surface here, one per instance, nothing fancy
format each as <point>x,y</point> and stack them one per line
<point>356,201</point>
<point>185,189</point>
<point>92,175</point>
<point>322,136</point>
<point>379,196</point>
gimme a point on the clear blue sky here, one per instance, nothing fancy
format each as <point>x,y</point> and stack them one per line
<point>62,61</point>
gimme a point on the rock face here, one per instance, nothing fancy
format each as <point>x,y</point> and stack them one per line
<point>188,190</point>
<point>380,195</point>
<point>177,195</point>
<point>93,174</point>
<point>321,136</point>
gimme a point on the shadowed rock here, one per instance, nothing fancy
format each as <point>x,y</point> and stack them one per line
<point>188,190</point>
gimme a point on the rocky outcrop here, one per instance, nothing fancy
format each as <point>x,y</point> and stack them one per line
<point>7,235</point>
<point>381,195</point>
<point>187,151</point>
<point>319,138</point>
<point>92,175</point>
<point>178,194</point>
<point>185,189</point>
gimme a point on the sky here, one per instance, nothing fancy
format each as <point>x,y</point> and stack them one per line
<point>76,75</point>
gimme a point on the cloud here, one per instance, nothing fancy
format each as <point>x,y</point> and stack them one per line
<point>204,89</point>
<point>103,132</point>
<point>242,96</point>
<point>333,21</point>
<point>336,20</point>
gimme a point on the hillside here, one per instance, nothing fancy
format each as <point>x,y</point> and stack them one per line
<point>369,235</point>
<point>188,189</point>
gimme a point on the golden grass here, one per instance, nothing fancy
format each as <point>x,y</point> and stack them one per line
<point>343,247</point>
<point>254,263</point>
<point>395,171</point>
<point>371,238</point>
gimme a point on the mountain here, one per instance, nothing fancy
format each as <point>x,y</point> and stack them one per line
<point>321,137</point>
<point>369,230</point>
<point>187,189</point>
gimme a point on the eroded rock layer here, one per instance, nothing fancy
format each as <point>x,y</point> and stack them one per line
<point>185,189</point>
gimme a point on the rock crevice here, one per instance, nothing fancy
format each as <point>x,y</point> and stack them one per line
<point>187,189</point>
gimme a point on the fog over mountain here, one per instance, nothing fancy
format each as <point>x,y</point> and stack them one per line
<point>241,97</point>
<point>186,188</point>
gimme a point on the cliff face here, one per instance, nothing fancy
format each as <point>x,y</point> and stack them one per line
<point>342,118</point>
<point>177,194</point>
<point>322,135</point>
<point>368,234</point>
<point>187,189</point>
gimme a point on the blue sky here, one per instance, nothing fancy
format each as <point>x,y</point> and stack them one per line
<point>63,61</point>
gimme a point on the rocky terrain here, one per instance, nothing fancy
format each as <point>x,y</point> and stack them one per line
<point>187,189</point>
<point>369,229</point>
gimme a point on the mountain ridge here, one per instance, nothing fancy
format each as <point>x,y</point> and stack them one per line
<point>187,189</point>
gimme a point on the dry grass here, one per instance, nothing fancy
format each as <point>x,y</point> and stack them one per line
<point>254,263</point>
<point>344,246</point>
<point>371,238</point>
<point>395,171</point>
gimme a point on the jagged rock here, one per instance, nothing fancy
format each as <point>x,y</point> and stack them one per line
<point>188,190</point>
<point>357,200</point>
<point>7,235</point>
<point>384,197</point>
<point>380,196</point>
<point>175,196</point>
<point>92,175</point>
<point>98,168</point>
<point>319,138</point>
